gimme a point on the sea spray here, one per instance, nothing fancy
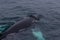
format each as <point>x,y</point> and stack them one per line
<point>38,34</point>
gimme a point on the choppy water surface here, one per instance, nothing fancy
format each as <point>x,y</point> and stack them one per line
<point>14,10</point>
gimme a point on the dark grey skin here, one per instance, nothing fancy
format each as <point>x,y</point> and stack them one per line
<point>26,22</point>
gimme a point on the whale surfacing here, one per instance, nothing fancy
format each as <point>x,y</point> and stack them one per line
<point>24,23</point>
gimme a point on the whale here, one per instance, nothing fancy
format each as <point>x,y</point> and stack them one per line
<point>24,23</point>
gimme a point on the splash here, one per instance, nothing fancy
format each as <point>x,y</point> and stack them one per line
<point>38,34</point>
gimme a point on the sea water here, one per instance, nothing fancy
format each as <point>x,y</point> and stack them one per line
<point>38,34</point>
<point>3,28</point>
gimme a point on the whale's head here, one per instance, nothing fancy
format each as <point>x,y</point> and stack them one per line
<point>36,16</point>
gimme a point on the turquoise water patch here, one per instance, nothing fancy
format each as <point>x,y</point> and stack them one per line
<point>3,28</point>
<point>38,34</point>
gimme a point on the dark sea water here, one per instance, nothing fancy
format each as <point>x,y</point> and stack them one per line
<point>15,10</point>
